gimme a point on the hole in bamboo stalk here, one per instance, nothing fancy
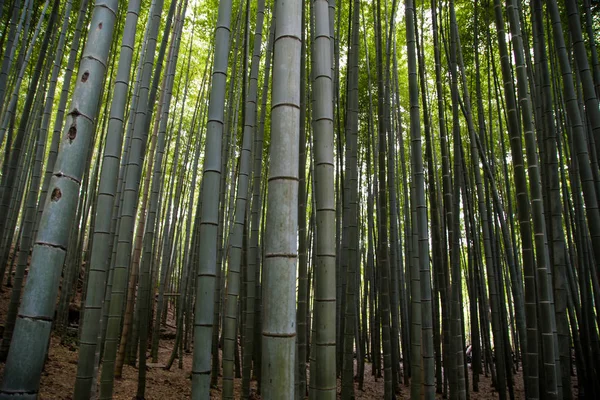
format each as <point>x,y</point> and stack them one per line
<point>72,133</point>
<point>100,25</point>
<point>85,76</point>
<point>56,195</point>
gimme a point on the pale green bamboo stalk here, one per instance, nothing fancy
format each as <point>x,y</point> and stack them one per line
<point>34,322</point>
<point>235,251</point>
<point>324,378</point>
<point>279,285</point>
<point>205,284</point>
<point>169,227</point>
<point>101,237</point>
<point>130,199</point>
<point>145,286</point>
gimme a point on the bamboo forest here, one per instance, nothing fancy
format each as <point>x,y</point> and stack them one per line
<point>290,199</point>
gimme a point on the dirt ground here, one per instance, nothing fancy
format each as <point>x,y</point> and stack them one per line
<point>58,379</point>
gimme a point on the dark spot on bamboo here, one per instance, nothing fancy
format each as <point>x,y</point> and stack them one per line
<point>85,76</point>
<point>56,195</point>
<point>100,25</point>
<point>72,133</point>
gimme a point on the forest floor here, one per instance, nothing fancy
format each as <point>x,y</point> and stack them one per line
<point>58,378</point>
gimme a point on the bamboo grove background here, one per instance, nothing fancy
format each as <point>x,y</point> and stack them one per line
<point>308,186</point>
